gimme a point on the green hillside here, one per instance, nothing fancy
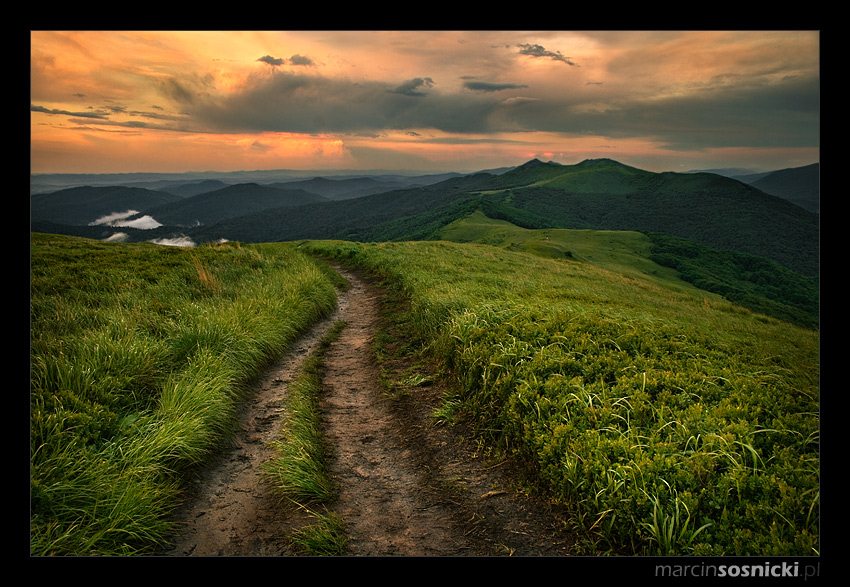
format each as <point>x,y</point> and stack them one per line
<point>753,282</point>
<point>708,209</point>
<point>624,251</point>
<point>83,205</point>
<point>599,194</point>
<point>668,419</point>
<point>644,345</point>
<point>671,421</point>
<point>240,199</point>
<point>800,185</point>
<point>138,354</point>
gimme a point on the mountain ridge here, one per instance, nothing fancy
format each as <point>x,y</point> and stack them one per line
<point>710,209</point>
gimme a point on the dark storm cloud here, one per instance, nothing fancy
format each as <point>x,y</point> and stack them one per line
<point>300,60</point>
<point>35,108</point>
<point>186,89</point>
<point>491,87</point>
<point>303,103</point>
<point>278,61</point>
<point>778,113</point>
<point>411,87</point>
<point>758,115</point>
<point>273,61</point>
<point>539,51</point>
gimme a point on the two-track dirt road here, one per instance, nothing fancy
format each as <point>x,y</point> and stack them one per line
<point>406,487</point>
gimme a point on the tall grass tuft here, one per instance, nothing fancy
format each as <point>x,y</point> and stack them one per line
<point>139,354</point>
<point>297,471</point>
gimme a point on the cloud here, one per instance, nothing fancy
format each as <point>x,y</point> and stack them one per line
<point>300,60</point>
<point>123,219</point>
<point>539,51</point>
<point>289,102</point>
<point>411,87</point>
<point>183,241</point>
<point>273,61</point>
<point>618,96</point>
<point>34,108</point>
<point>491,87</point>
<point>278,61</point>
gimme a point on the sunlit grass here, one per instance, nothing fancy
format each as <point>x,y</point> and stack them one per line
<point>671,420</point>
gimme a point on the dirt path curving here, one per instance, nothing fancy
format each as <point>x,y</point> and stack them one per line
<point>406,486</point>
<point>228,510</point>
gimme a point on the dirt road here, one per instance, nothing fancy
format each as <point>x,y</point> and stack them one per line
<point>406,486</point>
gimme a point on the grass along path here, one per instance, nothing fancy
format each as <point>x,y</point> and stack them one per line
<point>669,420</point>
<point>139,354</point>
<point>394,482</point>
<point>408,486</point>
<point>230,509</point>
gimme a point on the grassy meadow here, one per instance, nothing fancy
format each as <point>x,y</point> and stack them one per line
<point>669,419</point>
<point>138,355</point>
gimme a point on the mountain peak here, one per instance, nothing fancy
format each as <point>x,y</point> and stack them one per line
<point>538,163</point>
<point>604,161</point>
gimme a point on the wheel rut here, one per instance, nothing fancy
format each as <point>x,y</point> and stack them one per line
<point>405,486</point>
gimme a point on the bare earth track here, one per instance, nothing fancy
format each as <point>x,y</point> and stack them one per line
<point>406,487</point>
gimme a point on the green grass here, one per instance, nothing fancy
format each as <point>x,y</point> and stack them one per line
<point>671,421</point>
<point>138,356</point>
<point>297,471</point>
<point>753,282</point>
<point>325,537</point>
<point>626,252</point>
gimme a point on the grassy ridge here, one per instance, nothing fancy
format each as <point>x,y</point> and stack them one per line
<point>138,353</point>
<point>672,421</point>
<point>622,251</point>
<point>756,283</point>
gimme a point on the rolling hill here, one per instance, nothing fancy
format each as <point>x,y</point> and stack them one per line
<point>187,190</point>
<point>800,185</point>
<point>709,209</point>
<point>600,194</point>
<point>221,204</point>
<point>81,206</point>
<point>753,282</point>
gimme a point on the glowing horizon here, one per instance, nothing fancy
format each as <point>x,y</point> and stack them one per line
<point>163,101</point>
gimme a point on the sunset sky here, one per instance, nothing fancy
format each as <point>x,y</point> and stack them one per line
<point>161,101</point>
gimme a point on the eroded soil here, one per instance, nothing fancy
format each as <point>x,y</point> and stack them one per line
<point>406,487</point>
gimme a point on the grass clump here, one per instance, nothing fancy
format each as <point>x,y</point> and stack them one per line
<point>138,354</point>
<point>297,471</point>
<point>325,537</point>
<point>671,420</point>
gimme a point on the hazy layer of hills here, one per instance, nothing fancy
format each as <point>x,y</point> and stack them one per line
<point>800,185</point>
<point>769,215</point>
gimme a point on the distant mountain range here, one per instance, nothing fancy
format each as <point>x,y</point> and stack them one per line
<point>771,215</point>
<point>800,185</point>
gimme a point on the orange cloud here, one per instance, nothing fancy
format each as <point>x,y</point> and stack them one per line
<point>189,100</point>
